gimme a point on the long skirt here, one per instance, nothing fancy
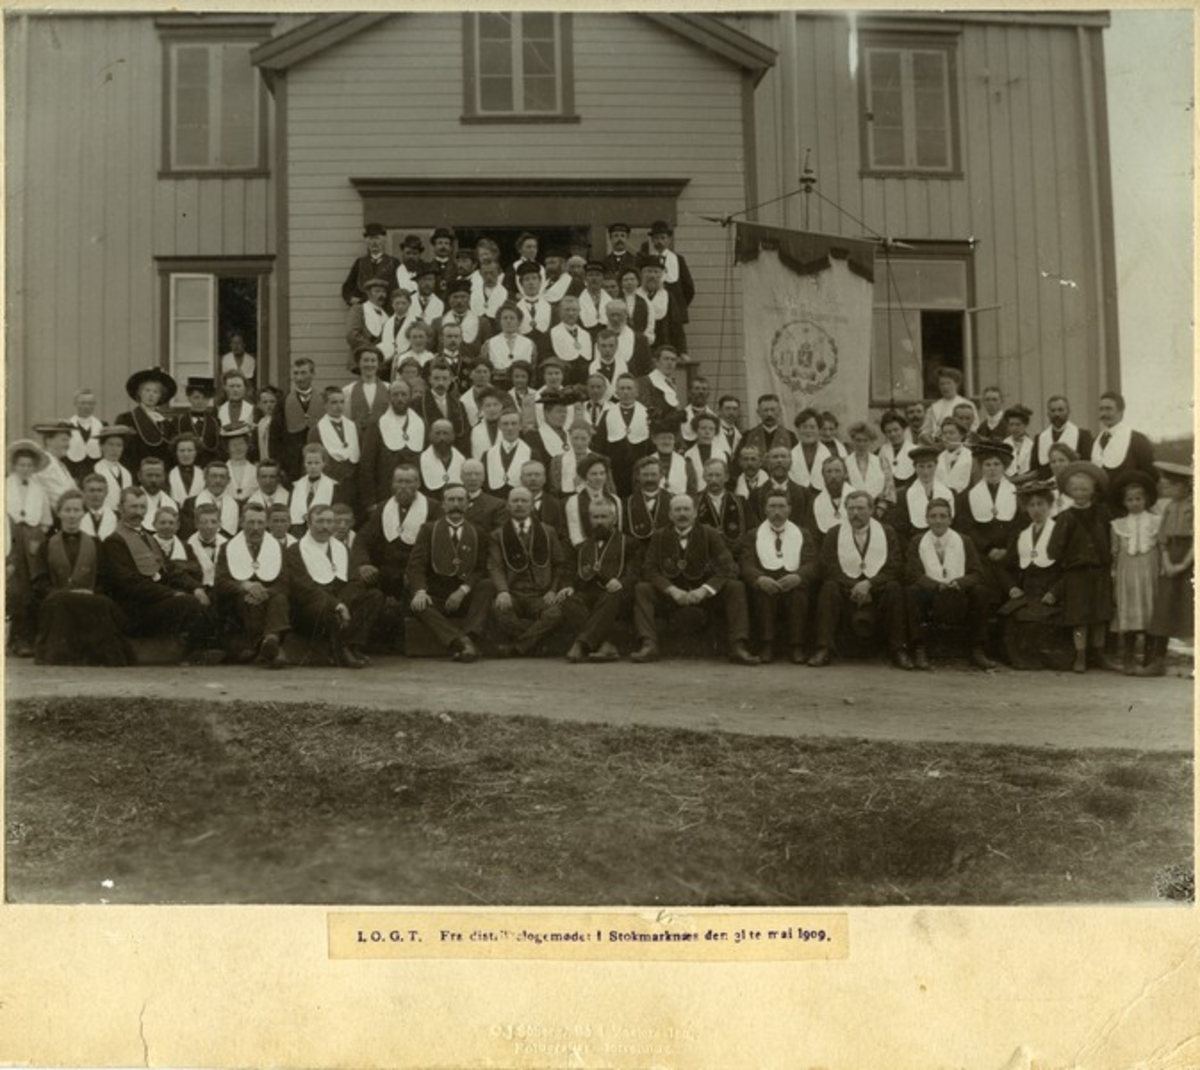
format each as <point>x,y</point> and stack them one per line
<point>75,628</point>
<point>1174,609</point>
<point>1087,596</point>
<point>1137,580</point>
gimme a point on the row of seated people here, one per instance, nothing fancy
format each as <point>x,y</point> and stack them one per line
<point>469,557</point>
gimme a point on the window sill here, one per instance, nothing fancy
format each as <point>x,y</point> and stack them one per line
<point>912,173</point>
<point>248,172</point>
<point>496,120</point>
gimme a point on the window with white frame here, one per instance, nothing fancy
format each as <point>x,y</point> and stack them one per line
<point>517,64</point>
<point>205,304</point>
<point>909,106</point>
<point>214,107</point>
<point>921,323</point>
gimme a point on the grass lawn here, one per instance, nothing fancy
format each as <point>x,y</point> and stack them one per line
<point>254,802</point>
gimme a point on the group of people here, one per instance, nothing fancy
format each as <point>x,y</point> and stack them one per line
<point>529,464</point>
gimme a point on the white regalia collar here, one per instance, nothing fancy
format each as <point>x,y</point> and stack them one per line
<point>498,475</point>
<point>322,496</point>
<point>228,506</point>
<point>1069,437</point>
<point>918,500</point>
<point>827,512</point>
<point>802,473</point>
<point>316,560</point>
<point>665,387</point>
<point>615,429</point>
<point>78,449</point>
<point>225,416</point>
<point>873,482</point>
<point>208,565</point>
<point>405,432</point>
<point>1112,455</point>
<point>983,510</point>
<point>955,565</point>
<point>902,466</point>
<point>567,348</point>
<point>554,445</point>
<point>1029,553</point>
<point>555,291</point>
<point>854,564</point>
<point>406,532</point>
<point>435,473</point>
<point>670,260</point>
<point>787,558</point>
<point>242,567</point>
<point>333,445</point>
<point>743,489</point>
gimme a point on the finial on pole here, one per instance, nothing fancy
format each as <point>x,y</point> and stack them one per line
<point>808,179</point>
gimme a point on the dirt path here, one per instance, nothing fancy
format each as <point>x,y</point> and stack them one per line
<point>857,699</point>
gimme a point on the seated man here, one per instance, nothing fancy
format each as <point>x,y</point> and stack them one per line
<point>862,566</point>
<point>779,478</point>
<point>325,604</point>
<point>717,508</point>
<point>380,555</point>
<point>485,511</point>
<point>606,565</point>
<point>166,534</point>
<point>204,544</point>
<point>528,569</point>
<point>780,569</point>
<point>251,588</point>
<point>447,577</point>
<point>158,595</point>
<point>648,508</point>
<point>942,577</point>
<point>688,564</point>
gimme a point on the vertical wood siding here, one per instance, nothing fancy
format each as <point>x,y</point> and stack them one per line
<point>1025,192</point>
<point>93,214</point>
<point>650,105</point>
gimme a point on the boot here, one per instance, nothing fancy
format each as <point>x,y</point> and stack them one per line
<point>1154,662</point>
<point>980,659</point>
<point>1129,662</point>
<point>466,652</point>
<point>921,658</point>
<point>820,657</point>
<point>741,656</point>
<point>606,653</point>
<point>1098,656</point>
<point>646,653</point>
<point>1080,664</point>
<point>577,654</point>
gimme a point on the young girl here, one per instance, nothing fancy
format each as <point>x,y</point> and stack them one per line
<point>1136,559</point>
<point>1081,543</point>
<point>1173,606</point>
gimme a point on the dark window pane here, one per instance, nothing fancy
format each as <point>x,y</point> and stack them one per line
<point>495,26</point>
<point>887,146</point>
<point>495,94</point>
<point>237,309</point>
<point>495,58</point>
<point>541,94</point>
<point>538,24</point>
<point>933,148</point>
<point>239,90</point>
<point>538,58</point>
<point>896,355</point>
<point>929,70</point>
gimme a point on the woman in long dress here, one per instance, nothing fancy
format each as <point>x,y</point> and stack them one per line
<point>148,389</point>
<point>77,625</point>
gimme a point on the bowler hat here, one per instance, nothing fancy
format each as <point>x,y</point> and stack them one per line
<point>618,226</point>
<point>151,375</point>
<point>204,384</point>
<point>411,241</point>
<point>374,230</point>
<point>659,226</point>
<point>426,267</point>
<point>442,232</point>
<point>992,449</point>
<point>376,284</point>
<point>459,286</point>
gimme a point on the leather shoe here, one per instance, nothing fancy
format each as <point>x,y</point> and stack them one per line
<point>820,658</point>
<point>798,657</point>
<point>607,652</point>
<point>268,651</point>
<point>576,655</point>
<point>647,652</point>
<point>466,652</point>
<point>348,659</point>
<point>901,660</point>
<point>506,650</point>
<point>921,659</point>
<point>766,655</point>
<point>741,656</point>
<point>980,660</point>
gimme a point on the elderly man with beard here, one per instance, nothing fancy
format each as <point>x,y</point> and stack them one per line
<point>688,564</point>
<point>252,587</point>
<point>159,596</point>
<point>528,568</point>
<point>779,479</point>
<point>379,557</point>
<point>397,437</point>
<point>780,568</point>
<point>447,577</point>
<point>606,567</point>
<point>862,565</point>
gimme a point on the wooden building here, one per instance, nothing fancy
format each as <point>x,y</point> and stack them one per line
<point>174,179</point>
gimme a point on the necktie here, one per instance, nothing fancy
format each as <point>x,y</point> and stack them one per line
<point>329,552</point>
<point>595,407</point>
<point>1055,433</point>
<point>341,431</point>
<point>1105,439</point>
<point>940,547</point>
<point>454,536</point>
<point>312,493</point>
<point>627,414</point>
<point>779,544</point>
<point>525,535</point>
<point>683,543</point>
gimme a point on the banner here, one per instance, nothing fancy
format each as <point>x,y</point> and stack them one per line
<point>806,314</point>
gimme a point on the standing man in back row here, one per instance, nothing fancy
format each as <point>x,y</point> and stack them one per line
<point>375,265</point>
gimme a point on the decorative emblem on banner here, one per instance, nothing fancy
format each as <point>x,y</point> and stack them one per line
<point>804,356</point>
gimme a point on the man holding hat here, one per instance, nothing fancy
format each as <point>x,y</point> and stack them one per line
<point>201,419</point>
<point>411,249</point>
<point>375,265</point>
<point>366,319</point>
<point>149,389</point>
<point>677,281</point>
<point>621,256</point>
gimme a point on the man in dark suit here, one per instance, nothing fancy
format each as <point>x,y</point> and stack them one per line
<point>768,432</point>
<point>528,567</point>
<point>621,257</point>
<point>1118,448</point>
<point>677,281</point>
<point>719,508</point>
<point>442,247</point>
<point>780,568</point>
<point>546,508</point>
<point>779,467</point>
<point>375,265</point>
<point>648,508</point>
<point>251,587</point>
<point>379,556</point>
<point>447,577</point>
<point>606,567</point>
<point>688,564</point>
<point>326,603</point>
<point>862,565</point>
<point>485,511</point>
<point>440,403</point>
<point>294,418</point>
<point>1062,429</point>
<point>396,438</point>
<point>159,596</point>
